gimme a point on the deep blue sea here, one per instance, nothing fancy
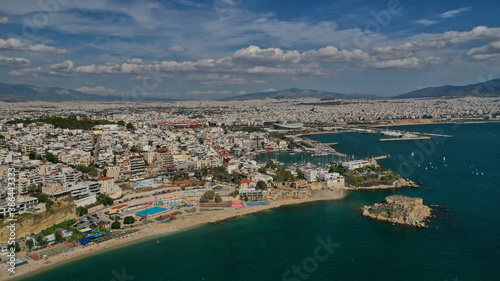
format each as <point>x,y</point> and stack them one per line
<point>463,242</point>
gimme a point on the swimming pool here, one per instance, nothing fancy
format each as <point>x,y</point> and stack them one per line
<point>150,211</point>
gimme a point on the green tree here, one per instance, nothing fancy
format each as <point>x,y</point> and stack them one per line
<point>300,175</point>
<point>32,155</point>
<point>130,127</point>
<point>262,170</point>
<point>209,195</point>
<point>134,149</point>
<point>59,236</point>
<point>218,198</point>
<point>236,177</point>
<point>17,248</point>
<point>41,240</point>
<point>51,157</point>
<point>128,220</point>
<point>261,185</point>
<point>80,211</point>
<point>29,243</point>
<point>121,123</point>
<point>116,225</point>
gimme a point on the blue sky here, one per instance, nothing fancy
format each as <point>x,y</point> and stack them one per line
<point>206,49</point>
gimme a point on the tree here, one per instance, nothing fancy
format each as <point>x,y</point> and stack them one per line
<point>300,175</point>
<point>29,243</point>
<point>51,157</point>
<point>128,220</point>
<point>17,247</point>
<point>209,195</point>
<point>41,240</point>
<point>218,198</point>
<point>59,236</point>
<point>121,123</point>
<point>130,127</point>
<point>261,185</point>
<point>116,225</point>
<point>236,177</point>
<point>134,149</point>
<point>80,211</point>
<point>32,155</point>
<point>262,170</point>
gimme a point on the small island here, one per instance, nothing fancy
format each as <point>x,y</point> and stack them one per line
<point>400,210</point>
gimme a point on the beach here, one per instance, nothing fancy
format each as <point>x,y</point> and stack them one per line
<point>158,229</point>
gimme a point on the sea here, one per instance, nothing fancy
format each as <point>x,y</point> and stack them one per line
<point>329,240</point>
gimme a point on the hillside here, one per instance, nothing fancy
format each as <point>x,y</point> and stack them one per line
<point>295,93</point>
<point>22,93</point>
<point>486,89</point>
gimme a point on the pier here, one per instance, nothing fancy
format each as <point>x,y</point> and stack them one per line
<point>437,135</point>
<point>402,139</point>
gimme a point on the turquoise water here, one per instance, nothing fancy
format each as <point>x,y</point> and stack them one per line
<point>150,211</point>
<point>462,244</point>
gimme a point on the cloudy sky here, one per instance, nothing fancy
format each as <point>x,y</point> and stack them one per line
<point>205,49</point>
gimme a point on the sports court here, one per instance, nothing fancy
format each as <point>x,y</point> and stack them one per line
<point>50,252</point>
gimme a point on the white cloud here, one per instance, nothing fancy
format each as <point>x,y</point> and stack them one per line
<point>135,61</point>
<point>490,52</point>
<point>444,40</point>
<point>426,22</point>
<point>177,48</point>
<point>97,90</point>
<point>6,61</point>
<point>4,20</point>
<point>407,63</point>
<point>16,45</point>
<point>454,13</point>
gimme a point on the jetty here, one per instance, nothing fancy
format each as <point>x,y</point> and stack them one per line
<point>401,139</point>
<point>437,135</point>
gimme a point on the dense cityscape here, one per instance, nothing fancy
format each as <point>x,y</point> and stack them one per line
<point>108,166</point>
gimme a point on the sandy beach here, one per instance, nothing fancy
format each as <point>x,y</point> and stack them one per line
<point>158,229</point>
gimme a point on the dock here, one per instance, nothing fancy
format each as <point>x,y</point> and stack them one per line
<point>401,139</point>
<point>437,135</point>
<point>330,143</point>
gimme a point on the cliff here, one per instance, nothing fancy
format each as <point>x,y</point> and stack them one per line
<point>35,223</point>
<point>399,210</point>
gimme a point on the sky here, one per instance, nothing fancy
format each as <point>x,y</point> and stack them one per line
<point>186,49</point>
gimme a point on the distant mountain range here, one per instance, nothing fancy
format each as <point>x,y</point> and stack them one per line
<point>22,92</point>
<point>489,88</point>
<point>295,93</point>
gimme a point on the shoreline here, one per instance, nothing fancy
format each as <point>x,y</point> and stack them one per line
<point>161,229</point>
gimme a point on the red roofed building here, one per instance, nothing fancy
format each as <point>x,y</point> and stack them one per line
<point>230,167</point>
<point>246,184</point>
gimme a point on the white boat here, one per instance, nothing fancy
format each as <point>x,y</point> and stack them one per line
<point>392,133</point>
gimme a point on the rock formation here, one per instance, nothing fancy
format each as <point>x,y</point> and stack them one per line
<point>400,210</point>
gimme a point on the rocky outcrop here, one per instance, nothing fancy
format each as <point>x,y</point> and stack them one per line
<point>400,183</point>
<point>400,210</point>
